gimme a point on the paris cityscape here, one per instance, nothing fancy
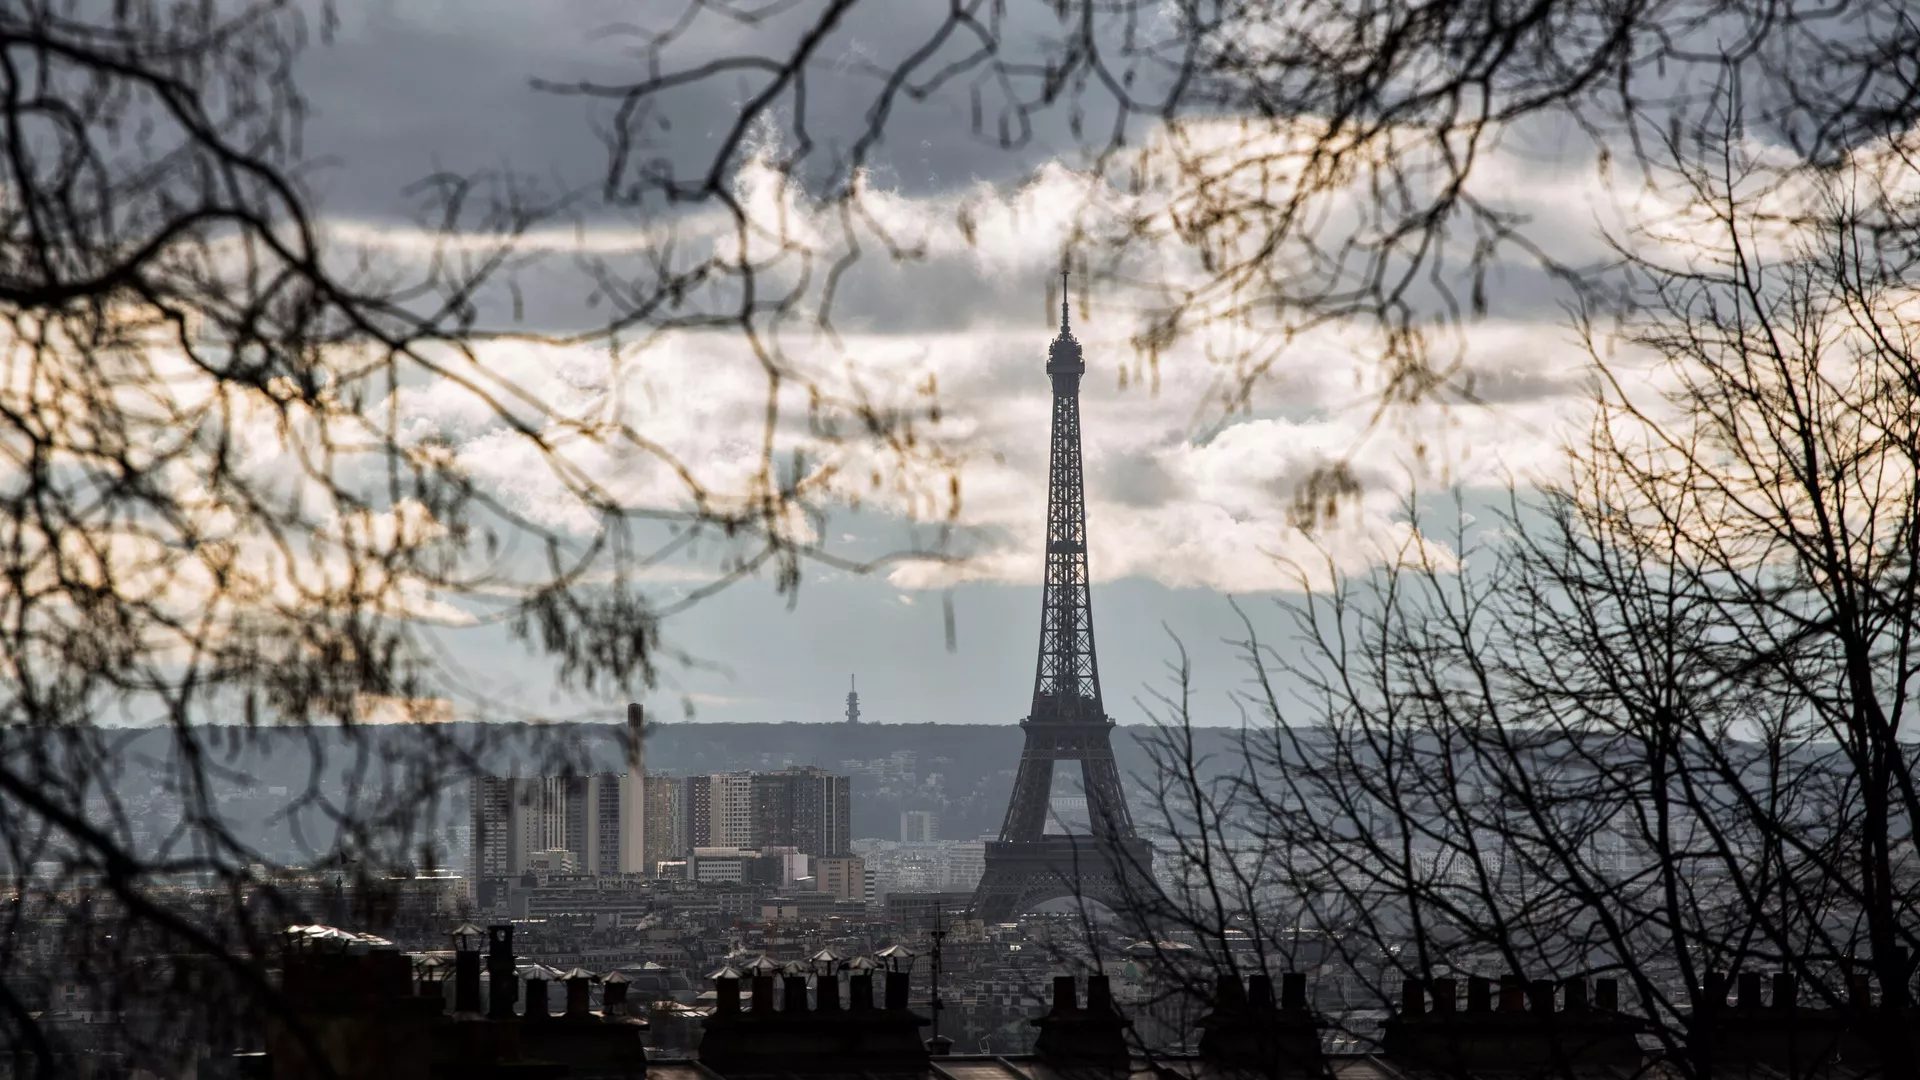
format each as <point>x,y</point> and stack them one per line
<point>967,540</point>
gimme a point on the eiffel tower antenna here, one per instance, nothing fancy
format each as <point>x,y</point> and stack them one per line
<point>1068,721</point>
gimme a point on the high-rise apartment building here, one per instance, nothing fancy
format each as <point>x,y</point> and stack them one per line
<point>803,808</point>
<point>666,823</point>
<point>733,815</point>
<point>696,804</point>
<point>593,822</point>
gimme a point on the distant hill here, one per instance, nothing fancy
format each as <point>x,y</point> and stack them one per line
<point>963,773</point>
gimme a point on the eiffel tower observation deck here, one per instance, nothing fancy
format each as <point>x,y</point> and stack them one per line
<point>1027,865</point>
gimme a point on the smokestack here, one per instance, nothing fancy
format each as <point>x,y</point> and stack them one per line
<point>633,795</point>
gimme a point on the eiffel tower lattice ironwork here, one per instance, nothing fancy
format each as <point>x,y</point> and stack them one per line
<point>1027,865</point>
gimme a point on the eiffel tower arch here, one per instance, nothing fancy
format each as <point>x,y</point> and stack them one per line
<point>1026,866</point>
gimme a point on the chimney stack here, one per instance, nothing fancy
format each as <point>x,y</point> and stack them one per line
<point>1513,994</point>
<point>1606,994</point>
<point>1071,1036</point>
<point>1446,995</point>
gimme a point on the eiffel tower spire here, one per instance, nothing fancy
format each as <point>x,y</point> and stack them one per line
<point>1068,721</point>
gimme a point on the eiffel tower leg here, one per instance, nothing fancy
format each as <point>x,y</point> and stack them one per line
<point>1032,792</point>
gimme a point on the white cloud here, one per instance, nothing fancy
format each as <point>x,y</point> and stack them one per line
<point>1177,493</point>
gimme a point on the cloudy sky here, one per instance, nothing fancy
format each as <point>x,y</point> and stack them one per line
<point>1188,503</point>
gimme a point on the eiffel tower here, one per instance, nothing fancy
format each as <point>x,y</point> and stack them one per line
<point>1027,866</point>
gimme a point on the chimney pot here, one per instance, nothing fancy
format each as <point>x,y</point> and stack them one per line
<point>1260,992</point>
<point>1606,994</point>
<point>1445,995</point>
<point>503,988</point>
<point>1064,994</point>
<point>1576,994</point>
<point>1479,994</point>
<point>579,997</point>
<point>860,991</point>
<point>1898,995</point>
<point>1747,995</point>
<point>1099,995</point>
<point>793,997</point>
<point>466,982</point>
<point>1540,995</point>
<point>1860,990</point>
<point>1293,991</point>
<point>1228,993</point>
<point>1713,994</point>
<point>826,992</point>
<point>897,989</point>
<point>1786,990</point>
<point>1413,998</point>
<point>536,996</point>
<point>726,994</point>
<point>1513,993</point>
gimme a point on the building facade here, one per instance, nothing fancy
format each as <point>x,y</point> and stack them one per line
<point>666,820</point>
<point>919,827</point>
<point>842,876</point>
<point>732,815</point>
